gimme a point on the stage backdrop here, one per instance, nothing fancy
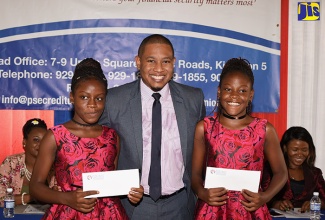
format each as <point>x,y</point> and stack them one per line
<point>40,48</point>
<point>42,41</point>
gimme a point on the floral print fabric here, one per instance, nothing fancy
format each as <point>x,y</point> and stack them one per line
<point>77,155</point>
<point>233,149</point>
<point>12,175</point>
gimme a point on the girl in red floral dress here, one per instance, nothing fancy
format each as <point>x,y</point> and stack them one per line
<point>78,146</point>
<point>235,140</point>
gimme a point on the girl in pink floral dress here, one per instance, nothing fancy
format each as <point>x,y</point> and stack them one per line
<point>235,140</point>
<point>79,146</point>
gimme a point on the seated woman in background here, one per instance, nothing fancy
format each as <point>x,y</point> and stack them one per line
<point>304,178</point>
<point>16,170</point>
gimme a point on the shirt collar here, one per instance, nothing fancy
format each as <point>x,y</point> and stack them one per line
<point>146,92</point>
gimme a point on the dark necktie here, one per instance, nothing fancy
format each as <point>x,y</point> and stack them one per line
<point>154,180</point>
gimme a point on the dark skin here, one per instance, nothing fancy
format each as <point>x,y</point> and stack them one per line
<point>31,147</point>
<point>89,100</point>
<point>156,64</point>
<point>234,95</point>
<point>298,152</point>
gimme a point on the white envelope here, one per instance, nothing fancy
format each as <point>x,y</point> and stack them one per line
<point>232,179</point>
<point>111,183</point>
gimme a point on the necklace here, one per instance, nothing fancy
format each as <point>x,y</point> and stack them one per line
<point>296,175</point>
<point>28,174</point>
<point>230,117</point>
<point>85,125</point>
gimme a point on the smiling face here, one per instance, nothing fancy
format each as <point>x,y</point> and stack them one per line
<point>89,100</point>
<point>297,152</point>
<point>156,65</point>
<point>31,144</point>
<point>235,93</point>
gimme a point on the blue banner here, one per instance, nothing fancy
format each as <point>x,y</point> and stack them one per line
<point>37,60</point>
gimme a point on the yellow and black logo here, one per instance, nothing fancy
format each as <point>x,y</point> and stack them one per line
<point>308,11</point>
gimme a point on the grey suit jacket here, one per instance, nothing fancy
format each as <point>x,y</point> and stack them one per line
<point>123,113</point>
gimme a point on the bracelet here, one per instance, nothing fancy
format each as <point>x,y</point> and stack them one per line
<point>22,198</point>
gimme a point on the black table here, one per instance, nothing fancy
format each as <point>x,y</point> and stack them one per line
<point>39,216</point>
<point>283,218</point>
<point>20,216</point>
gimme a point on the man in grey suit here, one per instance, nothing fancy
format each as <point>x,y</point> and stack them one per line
<point>129,111</point>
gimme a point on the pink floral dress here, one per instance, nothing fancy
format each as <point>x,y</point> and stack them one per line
<point>77,155</point>
<point>233,149</point>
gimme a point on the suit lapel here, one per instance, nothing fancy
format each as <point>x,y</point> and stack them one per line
<point>136,116</point>
<point>309,181</point>
<point>180,112</point>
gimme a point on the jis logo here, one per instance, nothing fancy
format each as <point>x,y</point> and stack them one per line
<point>308,11</point>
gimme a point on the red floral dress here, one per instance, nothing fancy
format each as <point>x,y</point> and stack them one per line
<point>233,149</point>
<point>77,155</point>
